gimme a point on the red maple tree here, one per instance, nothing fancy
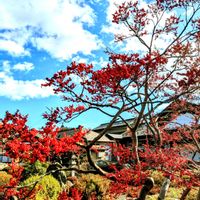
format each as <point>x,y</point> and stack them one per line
<point>136,84</point>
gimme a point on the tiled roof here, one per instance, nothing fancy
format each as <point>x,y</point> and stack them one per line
<point>89,136</point>
<point>116,124</point>
<point>115,136</point>
<point>92,134</point>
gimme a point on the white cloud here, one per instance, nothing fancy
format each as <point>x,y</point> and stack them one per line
<point>101,62</point>
<point>79,59</point>
<point>13,48</point>
<point>25,66</point>
<point>20,89</point>
<point>55,26</point>
<point>6,66</point>
<point>63,47</point>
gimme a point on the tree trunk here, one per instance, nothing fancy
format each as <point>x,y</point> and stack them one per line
<point>135,147</point>
<point>148,185</point>
<point>164,189</point>
<point>185,193</point>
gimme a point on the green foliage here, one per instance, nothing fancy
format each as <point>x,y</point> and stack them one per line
<point>57,173</point>
<point>48,188</point>
<point>41,167</point>
<point>158,177</point>
<point>175,193</point>
<point>37,168</point>
<point>91,184</point>
<point>193,194</point>
<point>4,178</point>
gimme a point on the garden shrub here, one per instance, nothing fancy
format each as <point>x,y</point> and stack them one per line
<point>37,168</point>
<point>95,185</point>
<point>175,193</point>
<point>41,167</point>
<point>48,188</point>
<point>158,177</point>
<point>55,170</point>
<point>4,178</point>
<point>192,194</point>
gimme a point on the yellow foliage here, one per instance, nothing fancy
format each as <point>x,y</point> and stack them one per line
<point>93,184</point>
<point>48,188</point>
<point>4,178</point>
<point>175,193</point>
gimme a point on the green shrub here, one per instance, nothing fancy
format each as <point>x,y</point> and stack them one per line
<point>175,193</point>
<point>91,184</point>
<point>4,178</point>
<point>41,167</point>
<point>48,188</point>
<point>37,168</point>
<point>158,177</point>
<point>192,194</point>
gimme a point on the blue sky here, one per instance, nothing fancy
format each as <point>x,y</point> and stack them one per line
<point>38,38</point>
